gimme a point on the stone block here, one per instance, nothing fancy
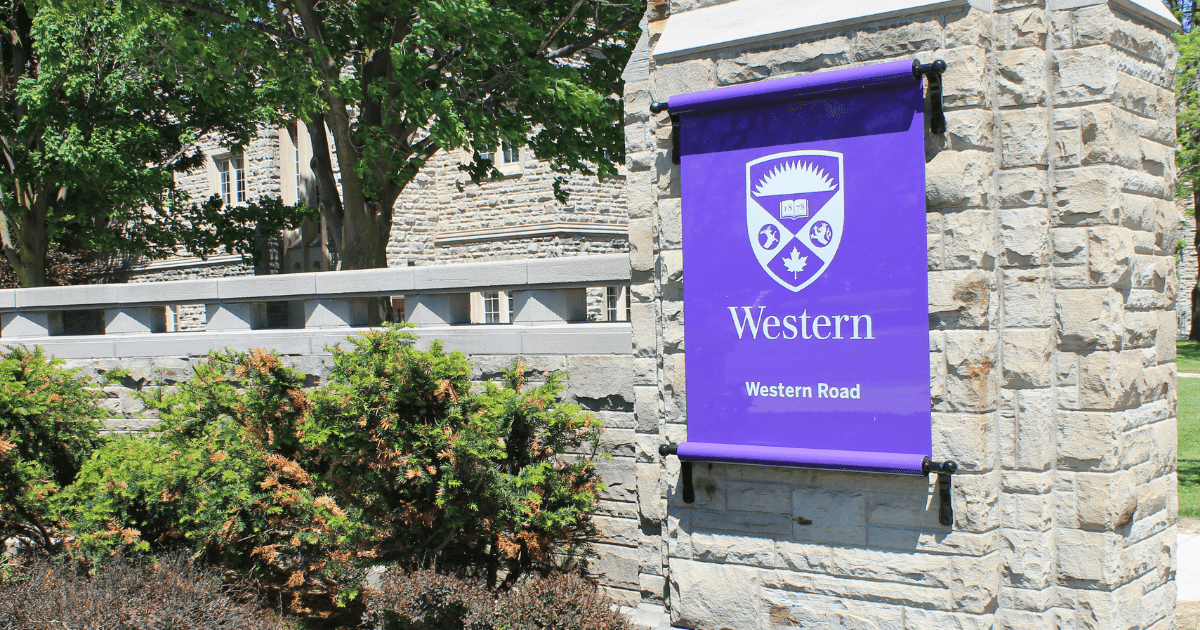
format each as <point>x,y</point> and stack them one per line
<point>732,548</point>
<point>1110,254</point>
<point>1024,237</point>
<point>919,569</point>
<point>958,179</point>
<point>1110,380</point>
<point>1033,444</point>
<point>641,244</point>
<point>234,316</point>
<point>1022,188</point>
<point>1109,136</point>
<point>646,409</point>
<point>894,39</point>
<point>670,222</point>
<point>549,306</point>
<point>1070,245</point>
<point>335,313</point>
<point>829,516</point>
<point>1026,358</point>
<point>1027,557</point>
<point>1025,27</point>
<point>599,377</point>
<point>1021,77</point>
<point>1027,298</point>
<point>1024,137</point>
<point>975,498</point>
<point>961,299</point>
<point>1026,512</point>
<point>682,77</point>
<point>969,130</point>
<point>617,566</point>
<point>970,362</point>
<point>962,87</point>
<point>1091,319</point>
<point>964,234</point>
<point>651,492</point>
<point>30,324</point>
<point>1086,196</point>
<point>437,309</point>
<point>138,320</point>
<point>1105,501</point>
<point>1089,558</point>
<point>790,58</point>
<point>758,497</point>
<point>703,591</point>
<point>1084,75</point>
<point>741,522</point>
<point>969,439</point>
<point>1089,441</point>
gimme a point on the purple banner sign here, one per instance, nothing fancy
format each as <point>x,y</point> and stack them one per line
<point>805,293</point>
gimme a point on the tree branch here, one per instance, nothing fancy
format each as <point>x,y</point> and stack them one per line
<point>557,27</point>
<point>229,19</point>
<point>589,41</point>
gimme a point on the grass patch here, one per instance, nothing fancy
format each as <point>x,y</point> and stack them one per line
<point>1189,447</point>
<point>1188,356</point>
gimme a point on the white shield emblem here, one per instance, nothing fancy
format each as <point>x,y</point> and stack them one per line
<point>795,210</point>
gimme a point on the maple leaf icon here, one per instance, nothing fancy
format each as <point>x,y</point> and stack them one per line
<point>795,263</point>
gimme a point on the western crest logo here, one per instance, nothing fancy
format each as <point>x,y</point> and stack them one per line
<point>795,211</point>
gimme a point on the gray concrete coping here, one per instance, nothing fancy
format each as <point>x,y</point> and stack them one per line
<point>583,338</point>
<point>576,271</point>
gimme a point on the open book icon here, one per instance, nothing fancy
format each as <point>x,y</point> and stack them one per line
<point>794,209</point>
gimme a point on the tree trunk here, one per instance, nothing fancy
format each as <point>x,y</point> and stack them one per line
<point>23,236</point>
<point>1194,333</point>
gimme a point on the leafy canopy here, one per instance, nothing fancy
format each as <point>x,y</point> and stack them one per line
<point>100,107</point>
<point>393,82</point>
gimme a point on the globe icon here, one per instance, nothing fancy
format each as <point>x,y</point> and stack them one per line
<point>821,233</point>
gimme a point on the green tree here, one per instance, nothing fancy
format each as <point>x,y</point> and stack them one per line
<point>97,115</point>
<point>1187,100</point>
<point>395,81</point>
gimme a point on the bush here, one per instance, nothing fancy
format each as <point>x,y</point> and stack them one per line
<point>428,600</point>
<point>49,425</point>
<point>394,461</point>
<point>129,595</point>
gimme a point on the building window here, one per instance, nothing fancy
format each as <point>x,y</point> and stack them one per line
<point>491,307</point>
<point>508,154</point>
<point>233,179</point>
<point>617,304</point>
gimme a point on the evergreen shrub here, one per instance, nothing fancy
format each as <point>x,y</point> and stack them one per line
<point>394,461</point>
<point>49,425</point>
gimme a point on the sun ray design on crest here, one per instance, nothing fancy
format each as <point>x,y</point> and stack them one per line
<point>793,178</point>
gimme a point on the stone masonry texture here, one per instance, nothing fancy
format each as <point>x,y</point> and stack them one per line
<point>1052,229</point>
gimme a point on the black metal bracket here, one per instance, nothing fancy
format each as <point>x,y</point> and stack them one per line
<point>685,472</point>
<point>658,107</point>
<point>933,72</point>
<point>944,471</point>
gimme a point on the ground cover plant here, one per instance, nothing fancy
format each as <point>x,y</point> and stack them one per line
<point>396,460</point>
<point>429,600</point>
<point>129,594</point>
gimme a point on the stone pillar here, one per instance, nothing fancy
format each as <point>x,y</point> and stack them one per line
<point>438,309</point>
<point>1051,234</point>
<point>549,306</point>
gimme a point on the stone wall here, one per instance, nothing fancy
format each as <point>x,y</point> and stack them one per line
<point>1185,264</point>
<point>1052,286</point>
<point>443,218</point>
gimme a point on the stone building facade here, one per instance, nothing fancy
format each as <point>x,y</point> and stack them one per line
<point>440,218</point>
<point>1051,241</point>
